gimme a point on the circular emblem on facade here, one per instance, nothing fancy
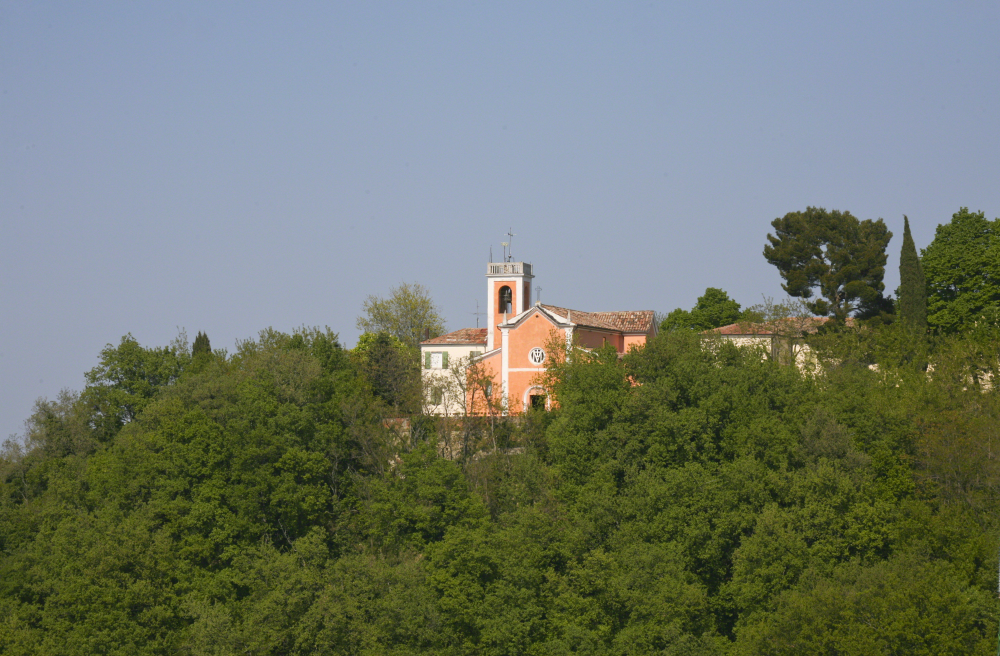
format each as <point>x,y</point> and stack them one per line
<point>536,355</point>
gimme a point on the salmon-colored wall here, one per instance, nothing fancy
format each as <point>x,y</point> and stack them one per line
<point>634,340</point>
<point>534,331</point>
<point>538,331</point>
<point>490,366</point>
<point>597,338</point>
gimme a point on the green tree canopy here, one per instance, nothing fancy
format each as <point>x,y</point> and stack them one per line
<point>713,309</point>
<point>912,287</point>
<point>962,267</point>
<point>127,379</point>
<point>392,368</point>
<point>201,345</point>
<point>833,253</point>
<point>409,314</point>
<point>689,497</point>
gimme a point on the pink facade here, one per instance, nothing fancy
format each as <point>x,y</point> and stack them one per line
<point>520,337</point>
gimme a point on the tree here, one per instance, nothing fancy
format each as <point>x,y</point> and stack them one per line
<point>912,287</point>
<point>832,251</point>
<point>409,314</point>
<point>128,378</point>
<point>713,309</point>
<point>392,368</point>
<point>201,345</point>
<point>201,352</point>
<point>962,267</point>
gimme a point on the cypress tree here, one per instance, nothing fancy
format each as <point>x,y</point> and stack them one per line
<point>912,287</point>
<point>201,345</point>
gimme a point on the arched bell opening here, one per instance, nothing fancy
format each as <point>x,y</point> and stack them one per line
<point>506,304</point>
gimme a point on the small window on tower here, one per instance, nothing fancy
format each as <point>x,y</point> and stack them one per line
<point>506,300</point>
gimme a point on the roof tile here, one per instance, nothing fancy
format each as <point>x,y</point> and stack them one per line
<point>636,321</point>
<point>461,336</point>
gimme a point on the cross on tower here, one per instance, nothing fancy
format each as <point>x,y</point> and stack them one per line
<point>508,251</point>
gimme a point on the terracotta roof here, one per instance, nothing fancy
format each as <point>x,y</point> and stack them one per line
<point>805,324</point>
<point>640,321</point>
<point>462,336</point>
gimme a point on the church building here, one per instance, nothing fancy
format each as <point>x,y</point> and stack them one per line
<point>512,351</point>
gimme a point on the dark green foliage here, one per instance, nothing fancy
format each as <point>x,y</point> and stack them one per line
<point>834,253</point>
<point>912,286</point>
<point>201,345</point>
<point>712,310</point>
<point>962,268</point>
<point>907,605</point>
<point>689,498</point>
<point>393,370</point>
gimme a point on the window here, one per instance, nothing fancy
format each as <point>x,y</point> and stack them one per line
<point>537,401</point>
<point>489,390</point>
<point>506,300</point>
<point>436,397</point>
<point>436,360</point>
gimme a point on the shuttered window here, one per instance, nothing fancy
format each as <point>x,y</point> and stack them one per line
<point>427,360</point>
<point>444,360</point>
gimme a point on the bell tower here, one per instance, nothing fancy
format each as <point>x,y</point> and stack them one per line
<point>508,285</point>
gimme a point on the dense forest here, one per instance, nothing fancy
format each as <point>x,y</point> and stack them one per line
<point>689,497</point>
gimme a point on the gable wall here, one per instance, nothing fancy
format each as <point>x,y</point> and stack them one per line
<point>522,373</point>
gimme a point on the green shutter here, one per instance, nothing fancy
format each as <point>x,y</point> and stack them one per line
<point>427,360</point>
<point>444,360</point>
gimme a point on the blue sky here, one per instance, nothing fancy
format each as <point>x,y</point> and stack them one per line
<point>231,166</point>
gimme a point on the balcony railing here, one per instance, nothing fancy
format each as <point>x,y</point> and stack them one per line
<point>508,268</point>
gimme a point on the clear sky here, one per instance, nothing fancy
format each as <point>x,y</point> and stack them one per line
<point>231,166</point>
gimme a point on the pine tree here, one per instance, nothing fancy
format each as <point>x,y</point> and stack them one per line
<point>912,287</point>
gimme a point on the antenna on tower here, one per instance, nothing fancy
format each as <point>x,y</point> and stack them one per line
<point>477,313</point>
<point>510,254</point>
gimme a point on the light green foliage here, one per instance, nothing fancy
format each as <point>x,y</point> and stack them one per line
<point>408,314</point>
<point>834,253</point>
<point>688,498</point>
<point>962,268</point>
<point>713,309</point>
<point>128,378</point>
